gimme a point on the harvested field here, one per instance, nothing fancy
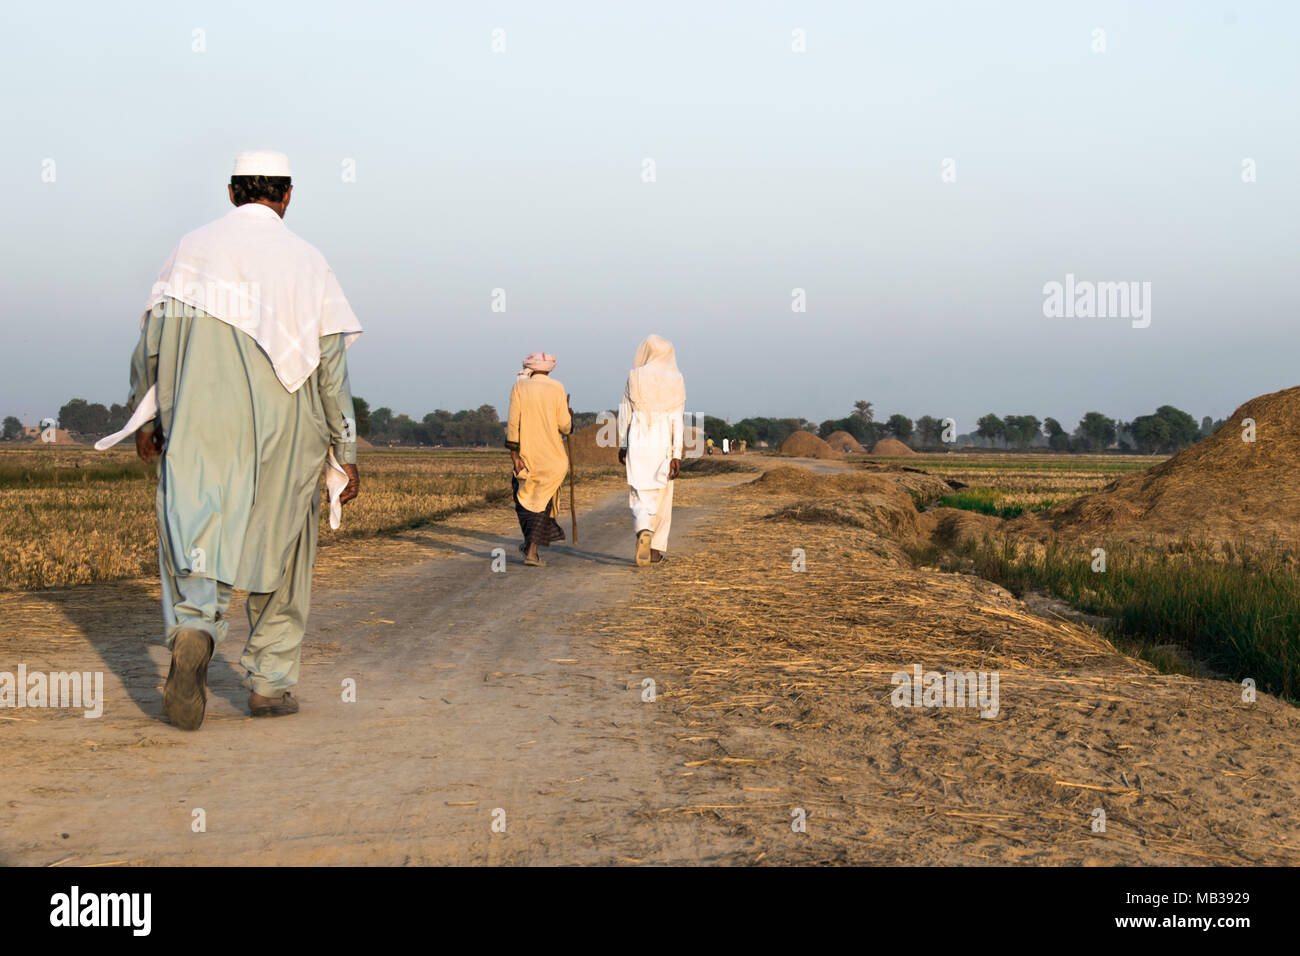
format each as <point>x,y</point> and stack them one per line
<point>780,682</point>
<point>1025,482</point>
<point>74,515</point>
<point>774,696</point>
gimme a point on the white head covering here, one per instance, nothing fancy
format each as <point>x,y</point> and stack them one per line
<point>655,384</point>
<point>261,162</point>
<point>248,270</point>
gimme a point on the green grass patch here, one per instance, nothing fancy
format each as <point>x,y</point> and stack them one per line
<point>1238,615</point>
<point>991,501</point>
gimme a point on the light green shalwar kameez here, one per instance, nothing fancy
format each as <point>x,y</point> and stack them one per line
<point>238,501</point>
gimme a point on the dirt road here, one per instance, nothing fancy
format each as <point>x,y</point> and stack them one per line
<point>476,703</point>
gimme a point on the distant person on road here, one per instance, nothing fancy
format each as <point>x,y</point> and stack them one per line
<point>240,378</point>
<point>650,437</point>
<point>539,415</point>
<point>726,447</point>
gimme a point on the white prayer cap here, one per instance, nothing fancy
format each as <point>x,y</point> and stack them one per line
<point>261,162</point>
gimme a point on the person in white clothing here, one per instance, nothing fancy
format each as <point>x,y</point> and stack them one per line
<point>650,438</point>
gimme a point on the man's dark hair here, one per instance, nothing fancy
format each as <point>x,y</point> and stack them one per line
<point>252,188</point>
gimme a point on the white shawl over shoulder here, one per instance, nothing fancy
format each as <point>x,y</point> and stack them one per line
<point>248,270</point>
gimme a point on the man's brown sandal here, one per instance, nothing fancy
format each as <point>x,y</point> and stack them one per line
<point>259,706</point>
<point>185,698</point>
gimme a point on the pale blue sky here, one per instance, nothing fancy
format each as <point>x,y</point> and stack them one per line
<point>776,170</point>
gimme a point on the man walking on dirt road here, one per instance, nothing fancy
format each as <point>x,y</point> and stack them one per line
<point>650,440</point>
<point>242,353</point>
<point>539,415</point>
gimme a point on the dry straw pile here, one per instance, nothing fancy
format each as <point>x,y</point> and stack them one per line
<point>1223,488</point>
<point>803,444</point>
<point>891,446</point>
<point>845,443</point>
<point>587,447</point>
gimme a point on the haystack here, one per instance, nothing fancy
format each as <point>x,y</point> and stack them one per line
<point>1223,488</point>
<point>803,444</point>
<point>845,443</point>
<point>59,436</point>
<point>587,450</point>
<point>886,504</point>
<point>891,446</point>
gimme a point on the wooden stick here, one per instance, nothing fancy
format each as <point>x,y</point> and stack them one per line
<point>568,444</point>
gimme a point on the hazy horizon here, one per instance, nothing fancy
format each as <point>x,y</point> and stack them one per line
<point>775,170</point>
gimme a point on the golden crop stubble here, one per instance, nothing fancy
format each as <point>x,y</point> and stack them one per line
<point>73,516</point>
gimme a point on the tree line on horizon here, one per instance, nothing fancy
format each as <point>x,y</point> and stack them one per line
<point>1166,431</point>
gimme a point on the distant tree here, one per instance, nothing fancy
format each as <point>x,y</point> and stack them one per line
<point>381,420</point>
<point>13,428</point>
<point>73,414</point>
<point>1058,438</point>
<point>85,418</point>
<point>1150,433</point>
<point>929,432</point>
<point>1095,432</point>
<point>1183,429</point>
<point>1209,426</point>
<point>118,416</point>
<point>863,429</point>
<point>773,430</point>
<point>716,428</point>
<point>743,432</point>
<point>863,410</point>
<point>484,426</point>
<point>435,426</point>
<point>990,427</point>
<point>404,431</point>
<point>1021,429</point>
<point>362,409</point>
<point>1167,431</point>
<point>900,427</point>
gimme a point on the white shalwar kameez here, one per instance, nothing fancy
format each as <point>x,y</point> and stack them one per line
<point>650,428</point>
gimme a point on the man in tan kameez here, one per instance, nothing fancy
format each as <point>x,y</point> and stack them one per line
<point>539,416</point>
